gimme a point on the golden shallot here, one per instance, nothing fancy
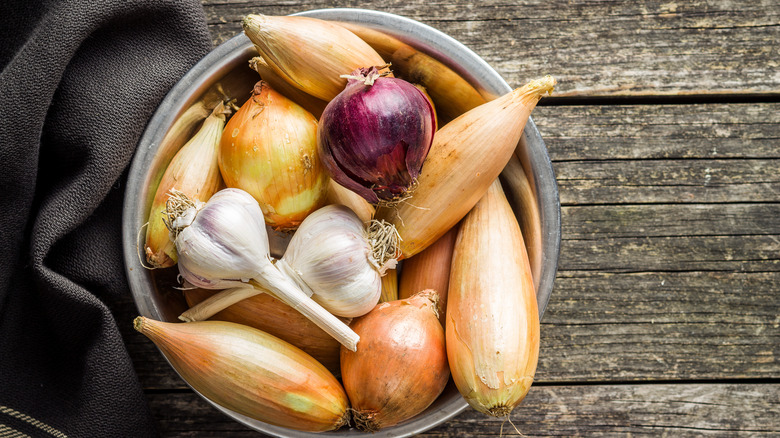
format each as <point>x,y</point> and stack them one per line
<point>251,372</point>
<point>272,316</point>
<point>492,317</point>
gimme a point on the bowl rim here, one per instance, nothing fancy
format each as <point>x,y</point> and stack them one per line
<point>427,39</point>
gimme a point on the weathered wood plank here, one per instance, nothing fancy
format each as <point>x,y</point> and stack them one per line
<point>601,222</point>
<point>630,132</point>
<point>679,253</point>
<point>614,48</point>
<point>661,326</point>
<point>668,181</point>
<point>632,410</point>
<point>680,410</point>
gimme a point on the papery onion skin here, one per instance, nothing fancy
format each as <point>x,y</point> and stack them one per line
<point>338,194</point>
<point>400,366</point>
<point>430,269</point>
<point>373,139</point>
<point>272,316</point>
<point>269,149</point>
<point>309,53</point>
<point>194,171</point>
<point>492,316</point>
<point>389,286</point>
<point>252,373</point>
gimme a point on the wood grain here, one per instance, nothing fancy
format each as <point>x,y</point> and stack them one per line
<point>661,326</point>
<point>656,132</point>
<point>679,410</point>
<point>603,222</point>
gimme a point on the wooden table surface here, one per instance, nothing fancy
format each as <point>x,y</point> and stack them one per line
<point>664,134</point>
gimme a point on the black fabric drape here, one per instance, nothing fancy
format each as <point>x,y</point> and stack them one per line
<point>78,81</point>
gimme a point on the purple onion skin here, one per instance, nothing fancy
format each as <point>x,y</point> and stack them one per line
<point>373,139</point>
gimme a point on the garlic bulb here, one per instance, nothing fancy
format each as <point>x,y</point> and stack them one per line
<point>333,257</point>
<point>225,244</point>
<point>239,222</point>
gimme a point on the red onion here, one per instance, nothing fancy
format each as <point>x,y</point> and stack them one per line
<point>374,136</point>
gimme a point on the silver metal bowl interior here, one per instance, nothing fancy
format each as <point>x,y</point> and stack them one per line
<point>225,70</point>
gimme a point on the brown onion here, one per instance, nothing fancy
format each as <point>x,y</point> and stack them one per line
<point>400,366</point>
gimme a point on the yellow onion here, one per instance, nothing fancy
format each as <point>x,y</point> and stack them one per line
<point>466,156</point>
<point>430,269</point>
<point>311,54</point>
<point>251,372</point>
<point>492,317</point>
<point>269,149</point>
<point>193,171</point>
<point>400,366</point>
<point>276,318</point>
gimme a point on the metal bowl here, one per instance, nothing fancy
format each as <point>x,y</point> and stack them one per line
<point>225,70</point>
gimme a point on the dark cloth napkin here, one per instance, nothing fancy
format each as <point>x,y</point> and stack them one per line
<point>78,81</point>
